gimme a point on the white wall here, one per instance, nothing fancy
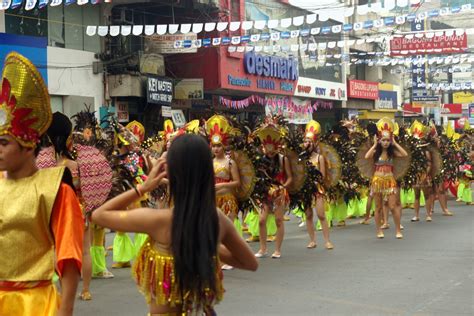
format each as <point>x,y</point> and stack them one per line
<point>2,21</point>
<point>70,75</point>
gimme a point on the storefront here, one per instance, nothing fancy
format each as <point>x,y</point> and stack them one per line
<point>251,84</point>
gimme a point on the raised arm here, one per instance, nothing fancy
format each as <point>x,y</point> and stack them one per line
<point>370,154</point>
<point>399,151</point>
<point>233,249</point>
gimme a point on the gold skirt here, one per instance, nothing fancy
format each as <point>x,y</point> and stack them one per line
<point>43,300</point>
<point>385,185</point>
<point>227,203</point>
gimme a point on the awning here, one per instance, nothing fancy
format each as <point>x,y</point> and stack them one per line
<point>377,114</point>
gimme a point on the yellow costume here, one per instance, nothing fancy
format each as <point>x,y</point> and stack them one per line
<point>154,274</point>
<point>41,219</point>
<point>383,181</point>
<point>218,129</point>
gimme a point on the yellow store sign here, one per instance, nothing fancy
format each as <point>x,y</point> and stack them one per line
<point>463,97</point>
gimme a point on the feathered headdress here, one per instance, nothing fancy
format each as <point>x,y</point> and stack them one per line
<point>25,108</point>
<point>385,128</point>
<point>168,130</point>
<point>313,129</point>
<point>217,128</point>
<point>418,130</point>
<point>271,136</point>
<point>137,129</point>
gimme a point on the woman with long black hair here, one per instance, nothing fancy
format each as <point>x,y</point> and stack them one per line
<point>178,268</point>
<point>383,186</point>
<point>60,137</point>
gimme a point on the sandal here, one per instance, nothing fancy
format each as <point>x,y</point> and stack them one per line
<point>380,235</point>
<point>329,245</point>
<point>385,226</point>
<point>415,219</point>
<point>311,245</point>
<point>276,255</point>
<point>103,275</point>
<point>85,296</point>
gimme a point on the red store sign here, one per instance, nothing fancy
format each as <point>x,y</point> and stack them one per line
<point>433,45</point>
<point>451,109</point>
<point>360,89</point>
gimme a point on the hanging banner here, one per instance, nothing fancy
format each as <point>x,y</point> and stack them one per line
<point>159,90</point>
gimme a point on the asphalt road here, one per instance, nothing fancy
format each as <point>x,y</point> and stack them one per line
<point>429,272</point>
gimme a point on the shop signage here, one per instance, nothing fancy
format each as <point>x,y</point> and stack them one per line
<point>463,97</point>
<point>178,118</point>
<point>189,89</point>
<point>452,43</point>
<point>429,98</point>
<point>426,104</point>
<point>122,112</point>
<point>271,66</point>
<point>313,88</point>
<point>166,111</point>
<point>451,109</point>
<point>165,44</point>
<point>471,111</point>
<point>408,108</point>
<point>360,89</point>
<point>387,100</point>
<point>159,90</point>
<point>240,82</point>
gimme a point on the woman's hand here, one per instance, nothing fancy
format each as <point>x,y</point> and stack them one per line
<point>155,176</point>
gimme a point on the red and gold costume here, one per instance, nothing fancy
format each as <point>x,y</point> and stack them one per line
<point>420,131</point>
<point>271,138</point>
<point>383,181</point>
<point>218,129</point>
<point>42,223</point>
<point>312,131</point>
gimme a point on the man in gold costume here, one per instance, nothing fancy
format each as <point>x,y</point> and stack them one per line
<point>41,221</point>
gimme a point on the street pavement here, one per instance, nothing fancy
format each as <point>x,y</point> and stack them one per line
<point>429,272</point>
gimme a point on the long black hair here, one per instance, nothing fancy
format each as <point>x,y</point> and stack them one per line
<point>58,133</point>
<point>195,227</point>
<point>379,149</point>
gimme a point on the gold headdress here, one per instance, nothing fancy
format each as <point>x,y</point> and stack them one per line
<point>168,129</point>
<point>217,127</point>
<point>137,129</point>
<point>313,129</point>
<point>270,136</point>
<point>418,130</point>
<point>396,129</point>
<point>385,128</point>
<point>25,109</point>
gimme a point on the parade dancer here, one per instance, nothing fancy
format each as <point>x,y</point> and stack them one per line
<point>59,154</point>
<point>96,180</point>
<point>226,173</point>
<point>278,170</point>
<point>383,185</point>
<point>311,144</point>
<point>178,269</point>
<point>425,181</point>
<point>41,219</point>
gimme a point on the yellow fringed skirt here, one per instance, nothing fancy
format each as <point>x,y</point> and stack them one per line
<point>43,300</point>
<point>227,203</point>
<point>153,271</point>
<point>383,184</point>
